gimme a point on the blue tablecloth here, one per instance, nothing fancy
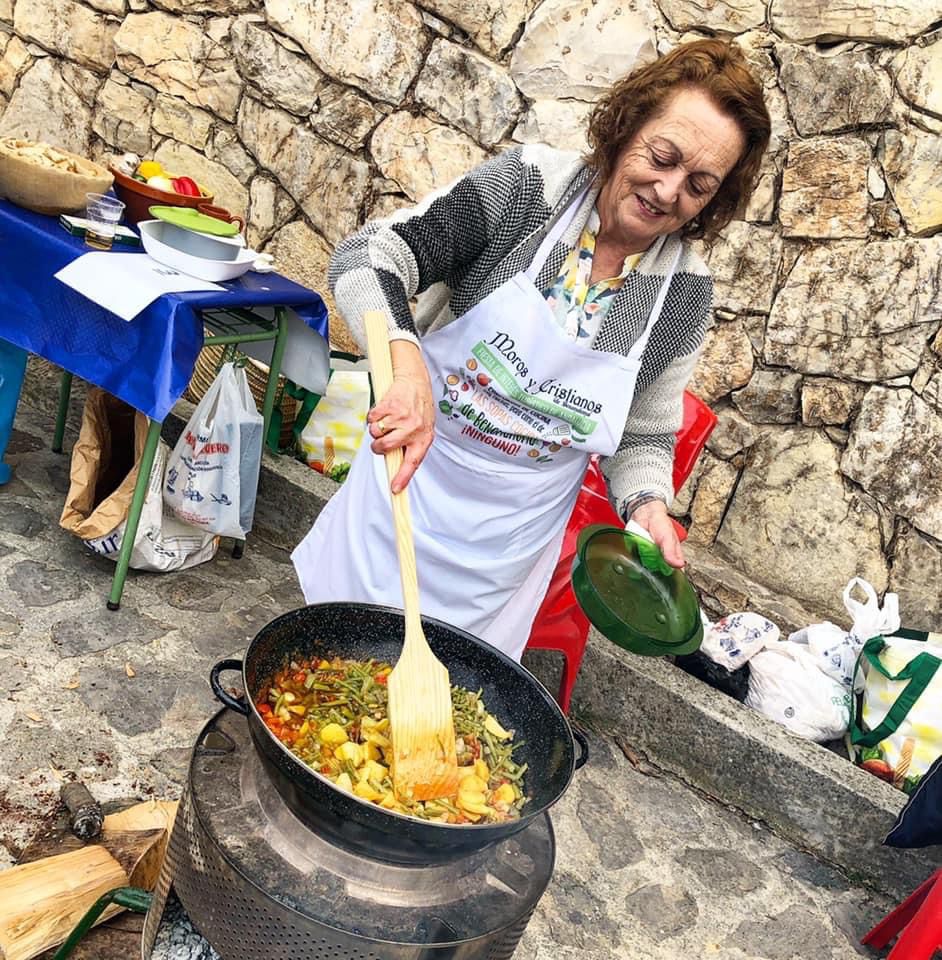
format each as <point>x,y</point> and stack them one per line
<point>148,361</point>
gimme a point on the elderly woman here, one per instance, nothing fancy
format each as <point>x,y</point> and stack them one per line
<point>560,310</point>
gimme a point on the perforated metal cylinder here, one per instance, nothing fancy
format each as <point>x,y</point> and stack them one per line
<point>257,884</point>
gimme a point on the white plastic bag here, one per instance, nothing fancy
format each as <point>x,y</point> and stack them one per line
<point>162,543</point>
<point>786,685</point>
<point>869,619</point>
<point>212,474</point>
<point>836,650</point>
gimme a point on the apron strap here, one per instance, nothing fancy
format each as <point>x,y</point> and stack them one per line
<point>549,241</point>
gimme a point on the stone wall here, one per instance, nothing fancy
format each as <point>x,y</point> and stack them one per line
<point>825,359</point>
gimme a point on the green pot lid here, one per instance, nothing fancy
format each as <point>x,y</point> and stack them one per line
<point>633,596</point>
<point>191,219</point>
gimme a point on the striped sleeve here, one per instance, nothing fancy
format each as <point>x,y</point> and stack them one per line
<point>387,262</point>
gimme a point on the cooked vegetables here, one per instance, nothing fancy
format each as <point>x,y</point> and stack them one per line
<point>332,715</point>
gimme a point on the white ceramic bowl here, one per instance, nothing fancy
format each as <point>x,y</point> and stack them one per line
<point>155,235</point>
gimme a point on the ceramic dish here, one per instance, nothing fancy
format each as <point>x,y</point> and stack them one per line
<point>138,197</point>
<point>157,243</point>
<point>202,244</point>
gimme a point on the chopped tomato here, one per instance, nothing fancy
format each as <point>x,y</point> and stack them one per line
<point>263,708</point>
<point>381,677</point>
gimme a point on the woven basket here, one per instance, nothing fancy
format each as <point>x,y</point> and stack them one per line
<point>209,361</point>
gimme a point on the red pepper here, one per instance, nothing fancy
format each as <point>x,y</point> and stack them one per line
<point>263,708</point>
<point>186,187</point>
<point>381,677</point>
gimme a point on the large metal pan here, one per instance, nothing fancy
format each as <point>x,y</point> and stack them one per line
<point>361,631</point>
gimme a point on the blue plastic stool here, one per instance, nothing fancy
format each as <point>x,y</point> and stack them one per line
<point>12,371</point>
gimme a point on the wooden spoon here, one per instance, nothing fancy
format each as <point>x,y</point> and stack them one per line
<point>421,721</point>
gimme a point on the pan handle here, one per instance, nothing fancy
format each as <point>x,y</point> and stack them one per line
<point>580,739</point>
<point>239,705</point>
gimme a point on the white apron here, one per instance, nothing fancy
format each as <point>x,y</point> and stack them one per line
<point>520,409</point>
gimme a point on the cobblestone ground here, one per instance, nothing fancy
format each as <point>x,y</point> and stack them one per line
<point>645,868</point>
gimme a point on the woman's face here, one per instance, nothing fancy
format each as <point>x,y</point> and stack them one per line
<point>669,171</point>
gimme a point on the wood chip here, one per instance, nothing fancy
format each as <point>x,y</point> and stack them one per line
<point>129,670</point>
<point>34,716</point>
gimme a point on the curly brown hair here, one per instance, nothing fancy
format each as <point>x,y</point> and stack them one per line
<point>718,68</point>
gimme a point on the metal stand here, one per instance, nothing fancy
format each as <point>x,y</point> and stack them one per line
<point>236,326</point>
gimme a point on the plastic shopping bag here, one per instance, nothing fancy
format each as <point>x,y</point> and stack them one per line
<point>835,649</point>
<point>898,730</point>
<point>212,474</point>
<point>332,435</point>
<point>786,685</point>
<point>104,472</point>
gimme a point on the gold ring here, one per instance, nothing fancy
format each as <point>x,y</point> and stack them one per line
<point>381,423</point>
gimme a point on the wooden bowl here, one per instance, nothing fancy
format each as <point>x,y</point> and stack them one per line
<point>138,198</point>
<point>30,178</point>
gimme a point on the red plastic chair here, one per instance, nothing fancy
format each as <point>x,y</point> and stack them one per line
<point>917,920</point>
<point>560,623</point>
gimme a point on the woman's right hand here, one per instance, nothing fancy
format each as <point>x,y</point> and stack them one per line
<point>405,417</point>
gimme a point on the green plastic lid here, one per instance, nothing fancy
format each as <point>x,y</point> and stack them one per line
<point>191,219</point>
<point>633,596</point>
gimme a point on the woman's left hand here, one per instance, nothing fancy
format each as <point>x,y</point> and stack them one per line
<point>655,519</point>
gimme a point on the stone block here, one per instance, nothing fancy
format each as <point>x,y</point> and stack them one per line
<point>573,51</point>
<point>824,188</point>
<point>894,452</point>
<point>421,155</point>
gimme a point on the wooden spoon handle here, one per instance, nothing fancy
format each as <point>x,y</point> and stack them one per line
<point>377,344</point>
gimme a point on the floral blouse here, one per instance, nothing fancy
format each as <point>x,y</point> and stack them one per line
<point>580,308</point>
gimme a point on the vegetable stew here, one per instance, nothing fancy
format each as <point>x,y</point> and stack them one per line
<point>332,715</point>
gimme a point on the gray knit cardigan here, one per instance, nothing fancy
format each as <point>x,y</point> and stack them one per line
<point>462,242</point>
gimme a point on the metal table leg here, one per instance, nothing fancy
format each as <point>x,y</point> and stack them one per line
<point>65,391</point>
<point>134,514</point>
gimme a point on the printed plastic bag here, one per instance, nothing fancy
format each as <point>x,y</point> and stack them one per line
<point>786,685</point>
<point>332,435</point>
<point>733,640</point>
<point>212,474</point>
<point>104,472</point>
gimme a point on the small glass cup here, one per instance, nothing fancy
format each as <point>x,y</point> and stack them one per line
<point>103,214</point>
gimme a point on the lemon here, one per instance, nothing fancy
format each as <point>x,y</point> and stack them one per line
<point>150,168</point>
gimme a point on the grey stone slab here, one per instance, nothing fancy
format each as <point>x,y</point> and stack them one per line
<point>40,585</point>
<point>664,910</point>
<point>18,519</point>
<point>75,637</point>
<point>135,705</point>
<point>187,590</point>
<point>794,934</point>
<point>722,869</point>
<point>618,844</point>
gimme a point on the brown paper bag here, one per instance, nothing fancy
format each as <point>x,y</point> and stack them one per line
<point>105,463</point>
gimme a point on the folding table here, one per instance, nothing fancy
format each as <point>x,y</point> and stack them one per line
<point>148,361</point>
